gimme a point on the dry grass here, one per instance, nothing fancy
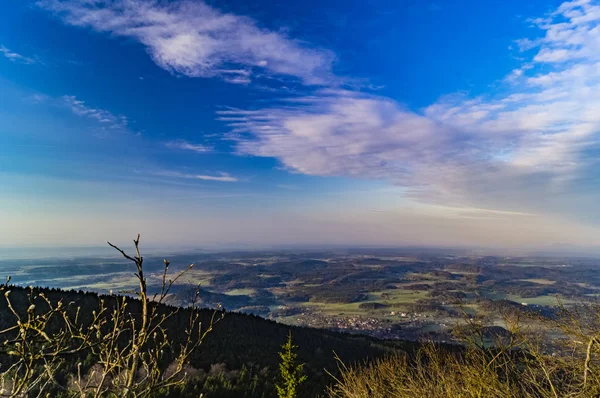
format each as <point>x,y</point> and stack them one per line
<point>521,365</point>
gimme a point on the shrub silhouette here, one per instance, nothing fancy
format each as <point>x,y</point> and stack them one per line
<point>127,349</point>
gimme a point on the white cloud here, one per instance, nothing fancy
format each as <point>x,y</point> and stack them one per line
<point>195,39</point>
<point>15,57</point>
<point>102,120</point>
<point>188,146</point>
<point>517,149</point>
<point>105,118</point>
<point>222,177</point>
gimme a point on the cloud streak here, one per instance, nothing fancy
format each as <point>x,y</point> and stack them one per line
<point>102,120</point>
<point>194,39</point>
<point>17,58</point>
<point>221,177</point>
<point>105,118</point>
<point>188,146</point>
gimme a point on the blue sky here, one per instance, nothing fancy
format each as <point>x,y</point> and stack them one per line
<point>317,122</point>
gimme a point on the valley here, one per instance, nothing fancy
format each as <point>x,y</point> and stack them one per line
<point>393,294</point>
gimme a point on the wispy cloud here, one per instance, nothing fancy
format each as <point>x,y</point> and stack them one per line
<point>222,177</point>
<point>288,187</point>
<point>518,148</point>
<point>497,150</point>
<point>188,146</point>
<point>37,98</point>
<point>102,120</point>
<point>16,57</point>
<point>103,117</point>
<point>195,39</point>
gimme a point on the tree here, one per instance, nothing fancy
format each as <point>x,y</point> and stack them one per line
<point>290,371</point>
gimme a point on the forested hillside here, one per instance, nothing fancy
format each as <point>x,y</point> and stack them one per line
<point>237,358</point>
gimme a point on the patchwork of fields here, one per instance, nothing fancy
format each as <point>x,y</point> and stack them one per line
<point>390,294</point>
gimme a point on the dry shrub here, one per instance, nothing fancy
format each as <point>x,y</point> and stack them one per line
<point>128,345</point>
